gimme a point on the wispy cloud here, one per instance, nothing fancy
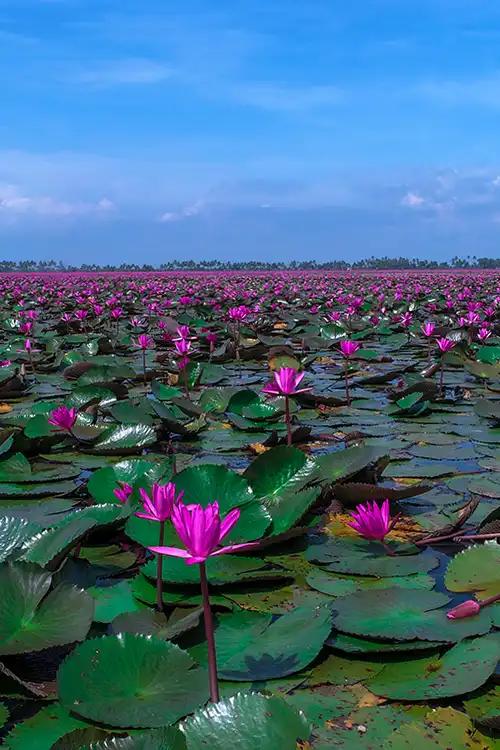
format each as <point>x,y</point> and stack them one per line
<point>285,98</point>
<point>15,203</point>
<point>483,91</point>
<point>131,71</point>
<point>195,209</point>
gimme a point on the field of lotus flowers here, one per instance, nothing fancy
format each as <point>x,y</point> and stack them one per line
<point>250,510</point>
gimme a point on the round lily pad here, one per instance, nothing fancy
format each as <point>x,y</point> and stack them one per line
<point>247,721</point>
<point>131,681</point>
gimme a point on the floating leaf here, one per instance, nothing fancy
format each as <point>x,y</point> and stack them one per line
<point>131,681</point>
<point>247,721</point>
<point>462,669</point>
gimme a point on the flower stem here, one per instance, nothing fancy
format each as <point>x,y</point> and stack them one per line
<point>441,378</point>
<point>144,365</point>
<point>346,376</point>
<point>287,421</point>
<point>159,570</point>
<point>489,600</point>
<point>209,632</point>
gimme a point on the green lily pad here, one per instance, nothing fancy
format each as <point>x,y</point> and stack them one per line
<point>43,730</point>
<point>13,534</point>
<point>131,681</point>
<point>111,601</point>
<point>124,439</point>
<point>484,708</point>
<point>207,483</point>
<point>365,558</point>
<point>286,646</point>
<point>31,618</point>
<point>475,569</point>
<point>344,585</point>
<point>278,478</point>
<point>247,721</point>
<point>394,614</point>
<point>462,669</point>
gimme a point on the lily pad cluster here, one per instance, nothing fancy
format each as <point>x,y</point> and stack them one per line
<point>324,638</point>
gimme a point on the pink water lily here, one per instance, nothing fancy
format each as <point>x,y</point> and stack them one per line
<point>445,344</point>
<point>201,530</point>
<point>428,328</point>
<point>285,383</point>
<point>159,505</point>
<point>348,348</point>
<point>63,418</point>
<point>123,492</point>
<point>372,521</point>
<point>145,341</point>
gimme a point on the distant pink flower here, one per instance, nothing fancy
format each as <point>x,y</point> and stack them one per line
<point>182,346</point>
<point>81,314</point>
<point>63,418</point>
<point>286,382</point>
<point>123,492</point>
<point>5,363</point>
<point>239,313</point>
<point>145,341</point>
<point>159,506</point>
<point>468,608</point>
<point>372,521</point>
<point>98,310</point>
<point>348,348</point>
<point>428,328</point>
<point>26,327</point>
<point>406,319</point>
<point>201,530</point>
<point>445,344</point>
<point>483,334</point>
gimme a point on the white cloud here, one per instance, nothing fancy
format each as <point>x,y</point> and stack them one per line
<point>15,203</point>
<point>124,72</point>
<point>195,209</point>
<point>412,200</point>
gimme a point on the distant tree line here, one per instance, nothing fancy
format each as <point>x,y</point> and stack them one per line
<point>384,263</point>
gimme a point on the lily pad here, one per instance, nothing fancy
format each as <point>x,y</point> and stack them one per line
<point>131,681</point>
<point>247,721</point>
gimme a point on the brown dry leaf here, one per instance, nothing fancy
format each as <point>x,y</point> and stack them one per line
<point>366,699</point>
<point>5,408</point>
<point>280,326</point>
<point>258,448</point>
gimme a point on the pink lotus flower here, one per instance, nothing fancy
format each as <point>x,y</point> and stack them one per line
<point>145,341</point>
<point>63,418</point>
<point>372,521</point>
<point>159,506</point>
<point>123,492</point>
<point>468,608</point>
<point>348,348</point>
<point>286,382</point>
<point>201,530</point>
<point>445,344</point>
<point>428,329</point>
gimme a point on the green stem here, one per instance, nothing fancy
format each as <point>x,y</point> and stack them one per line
<point>288,421</point>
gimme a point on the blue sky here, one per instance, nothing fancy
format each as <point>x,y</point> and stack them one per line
<point>147,130</point>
